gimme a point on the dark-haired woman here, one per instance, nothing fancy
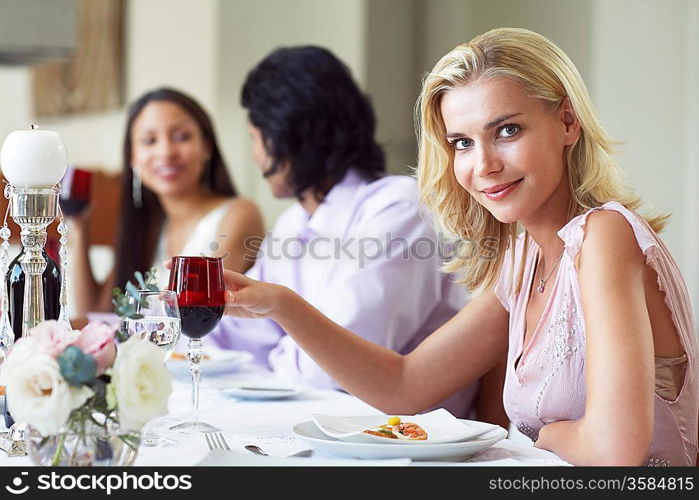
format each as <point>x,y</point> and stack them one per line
<point>177,198</point>
<point>355,244</point>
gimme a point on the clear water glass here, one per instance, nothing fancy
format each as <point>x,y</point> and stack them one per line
<point>160,323</point>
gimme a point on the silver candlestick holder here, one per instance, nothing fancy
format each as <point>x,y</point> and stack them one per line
<point>33,209</point>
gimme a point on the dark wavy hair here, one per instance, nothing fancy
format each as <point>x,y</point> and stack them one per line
<point>312,114</point>
<point>140,227</point>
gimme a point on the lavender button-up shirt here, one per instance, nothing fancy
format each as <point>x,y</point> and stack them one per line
<point>368,259</point>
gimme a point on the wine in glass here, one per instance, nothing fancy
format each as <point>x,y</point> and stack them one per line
<point>75,191</point>
<point>198,283</point>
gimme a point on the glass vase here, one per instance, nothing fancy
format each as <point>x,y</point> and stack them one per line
<point>96,446</point>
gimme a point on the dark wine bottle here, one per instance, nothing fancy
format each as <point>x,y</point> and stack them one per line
<point>15,293</point>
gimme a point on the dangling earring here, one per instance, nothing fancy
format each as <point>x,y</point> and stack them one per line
<point>136,189</point>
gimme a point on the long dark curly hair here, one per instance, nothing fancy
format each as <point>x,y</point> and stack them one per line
<point>140,226</point>
<point>313,115</point>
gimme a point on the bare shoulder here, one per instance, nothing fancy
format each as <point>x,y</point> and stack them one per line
<point>242,207</point>
<point>244,216</point>
<point>243,212</point>
<point>609,247</point>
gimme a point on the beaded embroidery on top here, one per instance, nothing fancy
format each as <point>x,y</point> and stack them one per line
<point>565,341</point>
<point>658,462</point>
<point>528,431</point>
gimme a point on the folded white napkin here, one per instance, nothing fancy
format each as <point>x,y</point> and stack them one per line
<point>440,424</point>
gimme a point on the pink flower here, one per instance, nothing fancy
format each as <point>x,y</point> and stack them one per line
<point>53,337</point>
<point>97,340</point>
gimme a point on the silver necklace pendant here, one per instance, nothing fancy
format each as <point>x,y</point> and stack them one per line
<point>542,281</point>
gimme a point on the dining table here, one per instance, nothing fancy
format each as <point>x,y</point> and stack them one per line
<point>269,424</point>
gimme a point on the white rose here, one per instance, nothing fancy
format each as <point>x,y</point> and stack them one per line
<point>36,391</point>
<point>140,381</point>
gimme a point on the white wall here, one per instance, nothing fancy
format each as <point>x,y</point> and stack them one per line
<point>164,46</point>
<point>14,92</point>
<point>248,32</point>
<point>173,43</point>
<point>641,82</point>
<point>393,77</point>
<point>443,25</point>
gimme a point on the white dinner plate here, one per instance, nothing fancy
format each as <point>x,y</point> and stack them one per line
<point>215,362</point>
<point>455,451</point>
<point>440,425</point>
<point>261,388</point>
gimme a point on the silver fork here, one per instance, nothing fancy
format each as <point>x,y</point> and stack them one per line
<point>216,441</point>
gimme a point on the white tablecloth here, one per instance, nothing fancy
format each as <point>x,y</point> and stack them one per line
<point>269,423</point>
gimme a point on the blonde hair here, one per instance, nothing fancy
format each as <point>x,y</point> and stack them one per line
<point>542,70</point>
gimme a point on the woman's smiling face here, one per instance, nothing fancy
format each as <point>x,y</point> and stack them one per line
<point>168,149</point>
<point>509,148</point>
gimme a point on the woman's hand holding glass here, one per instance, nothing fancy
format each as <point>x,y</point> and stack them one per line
<point>248,298</point>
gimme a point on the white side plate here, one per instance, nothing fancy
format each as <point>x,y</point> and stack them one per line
<point>219,362</point>
<point>261,388</point>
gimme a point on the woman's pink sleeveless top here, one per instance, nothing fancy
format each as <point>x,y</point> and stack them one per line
<point>547,384</point>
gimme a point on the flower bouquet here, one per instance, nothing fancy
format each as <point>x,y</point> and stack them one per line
<point>84,397</point>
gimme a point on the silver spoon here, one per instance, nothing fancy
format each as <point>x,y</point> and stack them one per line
<point>259,451</point>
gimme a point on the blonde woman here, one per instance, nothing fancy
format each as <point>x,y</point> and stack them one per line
<point>587,302</point>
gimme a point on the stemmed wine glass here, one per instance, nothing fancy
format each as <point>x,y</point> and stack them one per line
<point>158,320</point>
<point>198,283</point>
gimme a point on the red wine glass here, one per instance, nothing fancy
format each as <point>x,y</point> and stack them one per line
<point>75,191</point>
<point>198,283</point>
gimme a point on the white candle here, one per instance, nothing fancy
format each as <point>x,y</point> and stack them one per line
<point>33,158</point>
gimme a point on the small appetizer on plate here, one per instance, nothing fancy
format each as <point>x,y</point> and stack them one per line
<point>395,429</point>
